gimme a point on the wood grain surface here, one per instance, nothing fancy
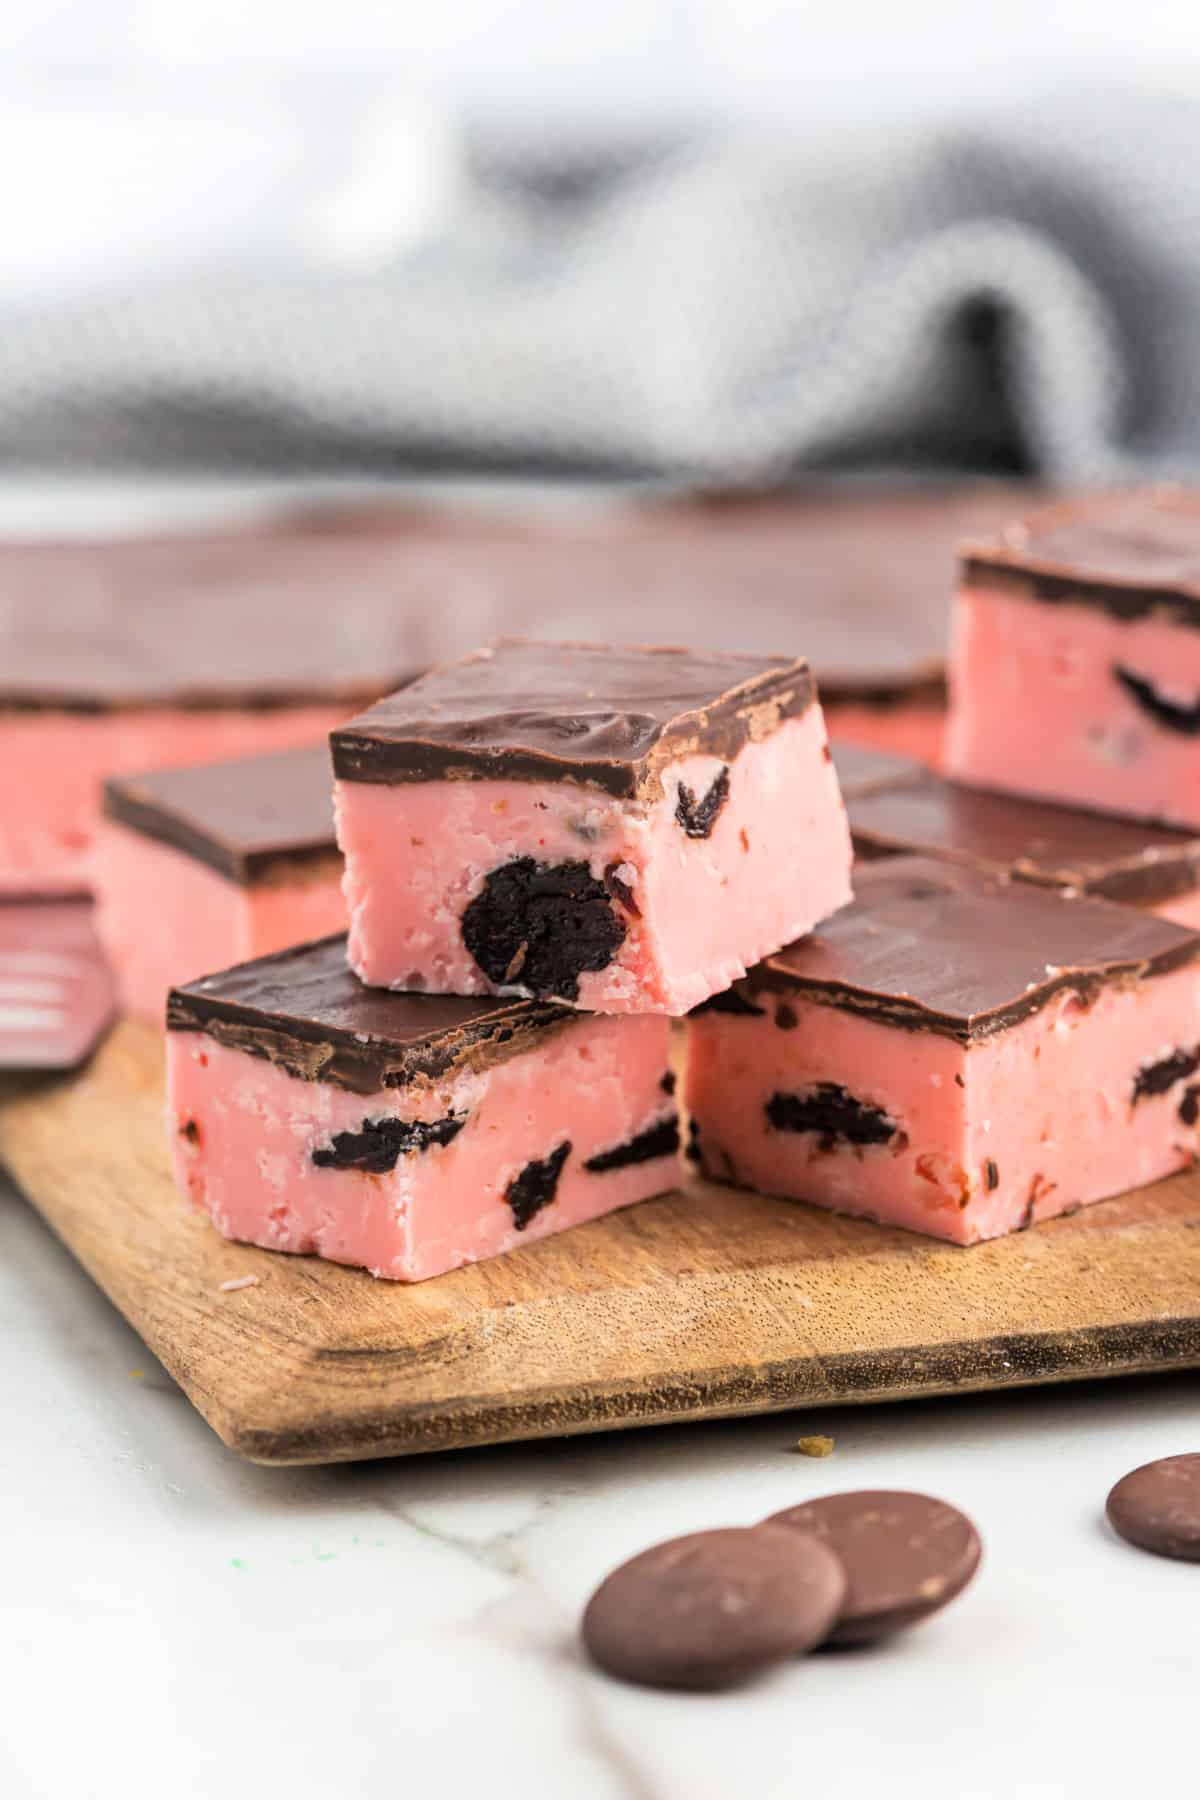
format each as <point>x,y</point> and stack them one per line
<point>705,1303</point>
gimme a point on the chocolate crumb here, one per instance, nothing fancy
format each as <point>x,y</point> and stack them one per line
<point>1189,1106</point>
<point>378,1147</point>
<point>657,1140</point>
<point>621,890</point>
<point>190,1129</point>
<point>668,1082</point>
<point>698,817</point>
<point>959,1081</point>
<point>1169,713</point>
<point>536,1185</point>
<point>785,1016</point>
<point>991,1175</point>
<point>1158,1077</point>
<point>692,1152</point>
<point>833,1113</point>
<point>555,916</point>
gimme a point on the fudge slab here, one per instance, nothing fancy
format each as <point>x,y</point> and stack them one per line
<point>406,1134</point>
<point>1076,657</point>
<point>1059,846</point>
<point>623,829</point>
<point>197,869</point>
<point>56,989</point>
<point>956,1054</point>
<point>153,652</point>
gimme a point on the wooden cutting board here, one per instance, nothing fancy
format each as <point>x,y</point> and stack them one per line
<point>703,1304</point>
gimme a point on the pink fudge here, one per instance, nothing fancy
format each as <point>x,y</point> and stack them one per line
<point>1076,657</point>
<point>407,1133</point>
<point>626,830</point>
<point>199,868</point>
<point>956,1054</point>
<point>149,653</point>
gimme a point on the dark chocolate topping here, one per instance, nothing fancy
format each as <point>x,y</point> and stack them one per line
<point>932,946</point>
<point>240,818</point>
<point>860,769</point>
<point>605,715</point>
<point>1130,553</point>
<point>346,609</point>
<point>1059,846</point>
<point>210,620</point>
<point>305,1010</point>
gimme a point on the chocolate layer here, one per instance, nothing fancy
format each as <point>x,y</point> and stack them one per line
<point>602,715</point>
<point>348,606</point>
<point>1132,554</point>
<point>209,621</point>
<point>305,1011</point>
<point>861,770</point>
<point>244,819</point>
<point>1142,865</point>
<point>930,946</point>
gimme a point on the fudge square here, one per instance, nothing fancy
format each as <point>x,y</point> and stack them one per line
<point>1135,863</point>
<point>1076,659</point>
<point>624,829</point>
<point>406,1133</point>
<point>142,653</point>
<point>955,1053</point>
<point>202,867</point>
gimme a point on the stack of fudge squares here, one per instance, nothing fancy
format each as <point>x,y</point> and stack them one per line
<point>552,851</point>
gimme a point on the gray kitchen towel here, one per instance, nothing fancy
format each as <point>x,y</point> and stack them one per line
<point>709,304</point>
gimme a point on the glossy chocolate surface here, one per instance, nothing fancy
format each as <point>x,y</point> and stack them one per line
<point>241,818</point>
<point>1060,846</point>
<point>1133,554</point>
<point>304,1010</point>
<point>933,946</point>
<point>608,716</point>
<point>347,605</point>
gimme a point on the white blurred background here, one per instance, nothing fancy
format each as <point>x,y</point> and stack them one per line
<point>700,239</point>
<point>144,136</point>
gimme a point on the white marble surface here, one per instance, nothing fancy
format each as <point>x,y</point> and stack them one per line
<point>177,1624</point>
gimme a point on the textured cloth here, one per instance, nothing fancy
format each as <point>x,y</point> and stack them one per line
<point>713,305</point>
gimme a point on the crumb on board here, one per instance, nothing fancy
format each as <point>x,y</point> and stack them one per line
<point>813,1446</point>
<point>238,1281</point>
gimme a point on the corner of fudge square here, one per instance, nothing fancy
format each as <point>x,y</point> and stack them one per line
<point>618,829</point>
<point>406,1134</point>
<point>956,1054</point>
<point>1075,662</point>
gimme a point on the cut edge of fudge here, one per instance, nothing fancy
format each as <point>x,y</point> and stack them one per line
<point>891,955</point>
<point>304,1010</point>
<point>248,819</point>
<point>529,709</point>
<point>1103,855</point>
<point>1132,554</point>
